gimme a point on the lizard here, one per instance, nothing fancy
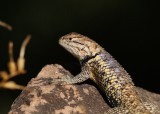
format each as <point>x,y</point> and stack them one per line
<point>99,66</point>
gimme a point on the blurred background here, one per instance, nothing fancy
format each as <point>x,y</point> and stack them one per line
<point>125,28</point>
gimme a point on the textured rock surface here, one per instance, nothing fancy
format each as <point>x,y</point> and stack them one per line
<point>44,96</point>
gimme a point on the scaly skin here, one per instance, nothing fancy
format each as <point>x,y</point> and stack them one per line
<point>106,72</point>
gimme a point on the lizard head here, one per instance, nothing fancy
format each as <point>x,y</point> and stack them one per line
<point>80,46</point>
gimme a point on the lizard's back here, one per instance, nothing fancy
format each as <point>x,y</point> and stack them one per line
<point>115,82</point>
<point>107,73</point>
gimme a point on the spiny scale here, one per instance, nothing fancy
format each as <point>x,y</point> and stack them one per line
<point>106,72</point>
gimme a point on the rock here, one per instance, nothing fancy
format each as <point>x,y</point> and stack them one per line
<point>43,95</point>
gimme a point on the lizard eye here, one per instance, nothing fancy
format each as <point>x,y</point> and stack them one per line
<point>70,38</point>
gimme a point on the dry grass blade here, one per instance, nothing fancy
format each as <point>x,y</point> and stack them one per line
<point>5,25</point>
<point>14,68</point>
<point>11,64</point>
<point>11,85</point>
<point>21,59</point>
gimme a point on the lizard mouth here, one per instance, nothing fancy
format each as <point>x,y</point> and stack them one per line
<point>61,41</point>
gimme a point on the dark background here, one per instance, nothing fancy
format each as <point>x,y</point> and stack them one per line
<point>125,28</point>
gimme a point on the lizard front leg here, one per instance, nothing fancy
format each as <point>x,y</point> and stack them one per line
<point>118,110</point>
<point>81,77</point>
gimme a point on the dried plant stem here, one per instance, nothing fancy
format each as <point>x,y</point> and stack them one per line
<point>11,64</point>
<point>13,67</point>
<point>5,25</point>
<point>21,59</point>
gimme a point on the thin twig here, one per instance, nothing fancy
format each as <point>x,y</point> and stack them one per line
<point>5,25</point>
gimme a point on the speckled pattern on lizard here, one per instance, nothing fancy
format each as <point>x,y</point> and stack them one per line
<point>98,65</point>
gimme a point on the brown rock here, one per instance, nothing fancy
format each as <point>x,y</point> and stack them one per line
<point>45,96</point>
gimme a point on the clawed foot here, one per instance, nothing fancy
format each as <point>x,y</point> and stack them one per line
<point>61,81</point>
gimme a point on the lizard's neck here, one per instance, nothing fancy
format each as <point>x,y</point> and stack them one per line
<point>87,58</point>
<point>102,53</point>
